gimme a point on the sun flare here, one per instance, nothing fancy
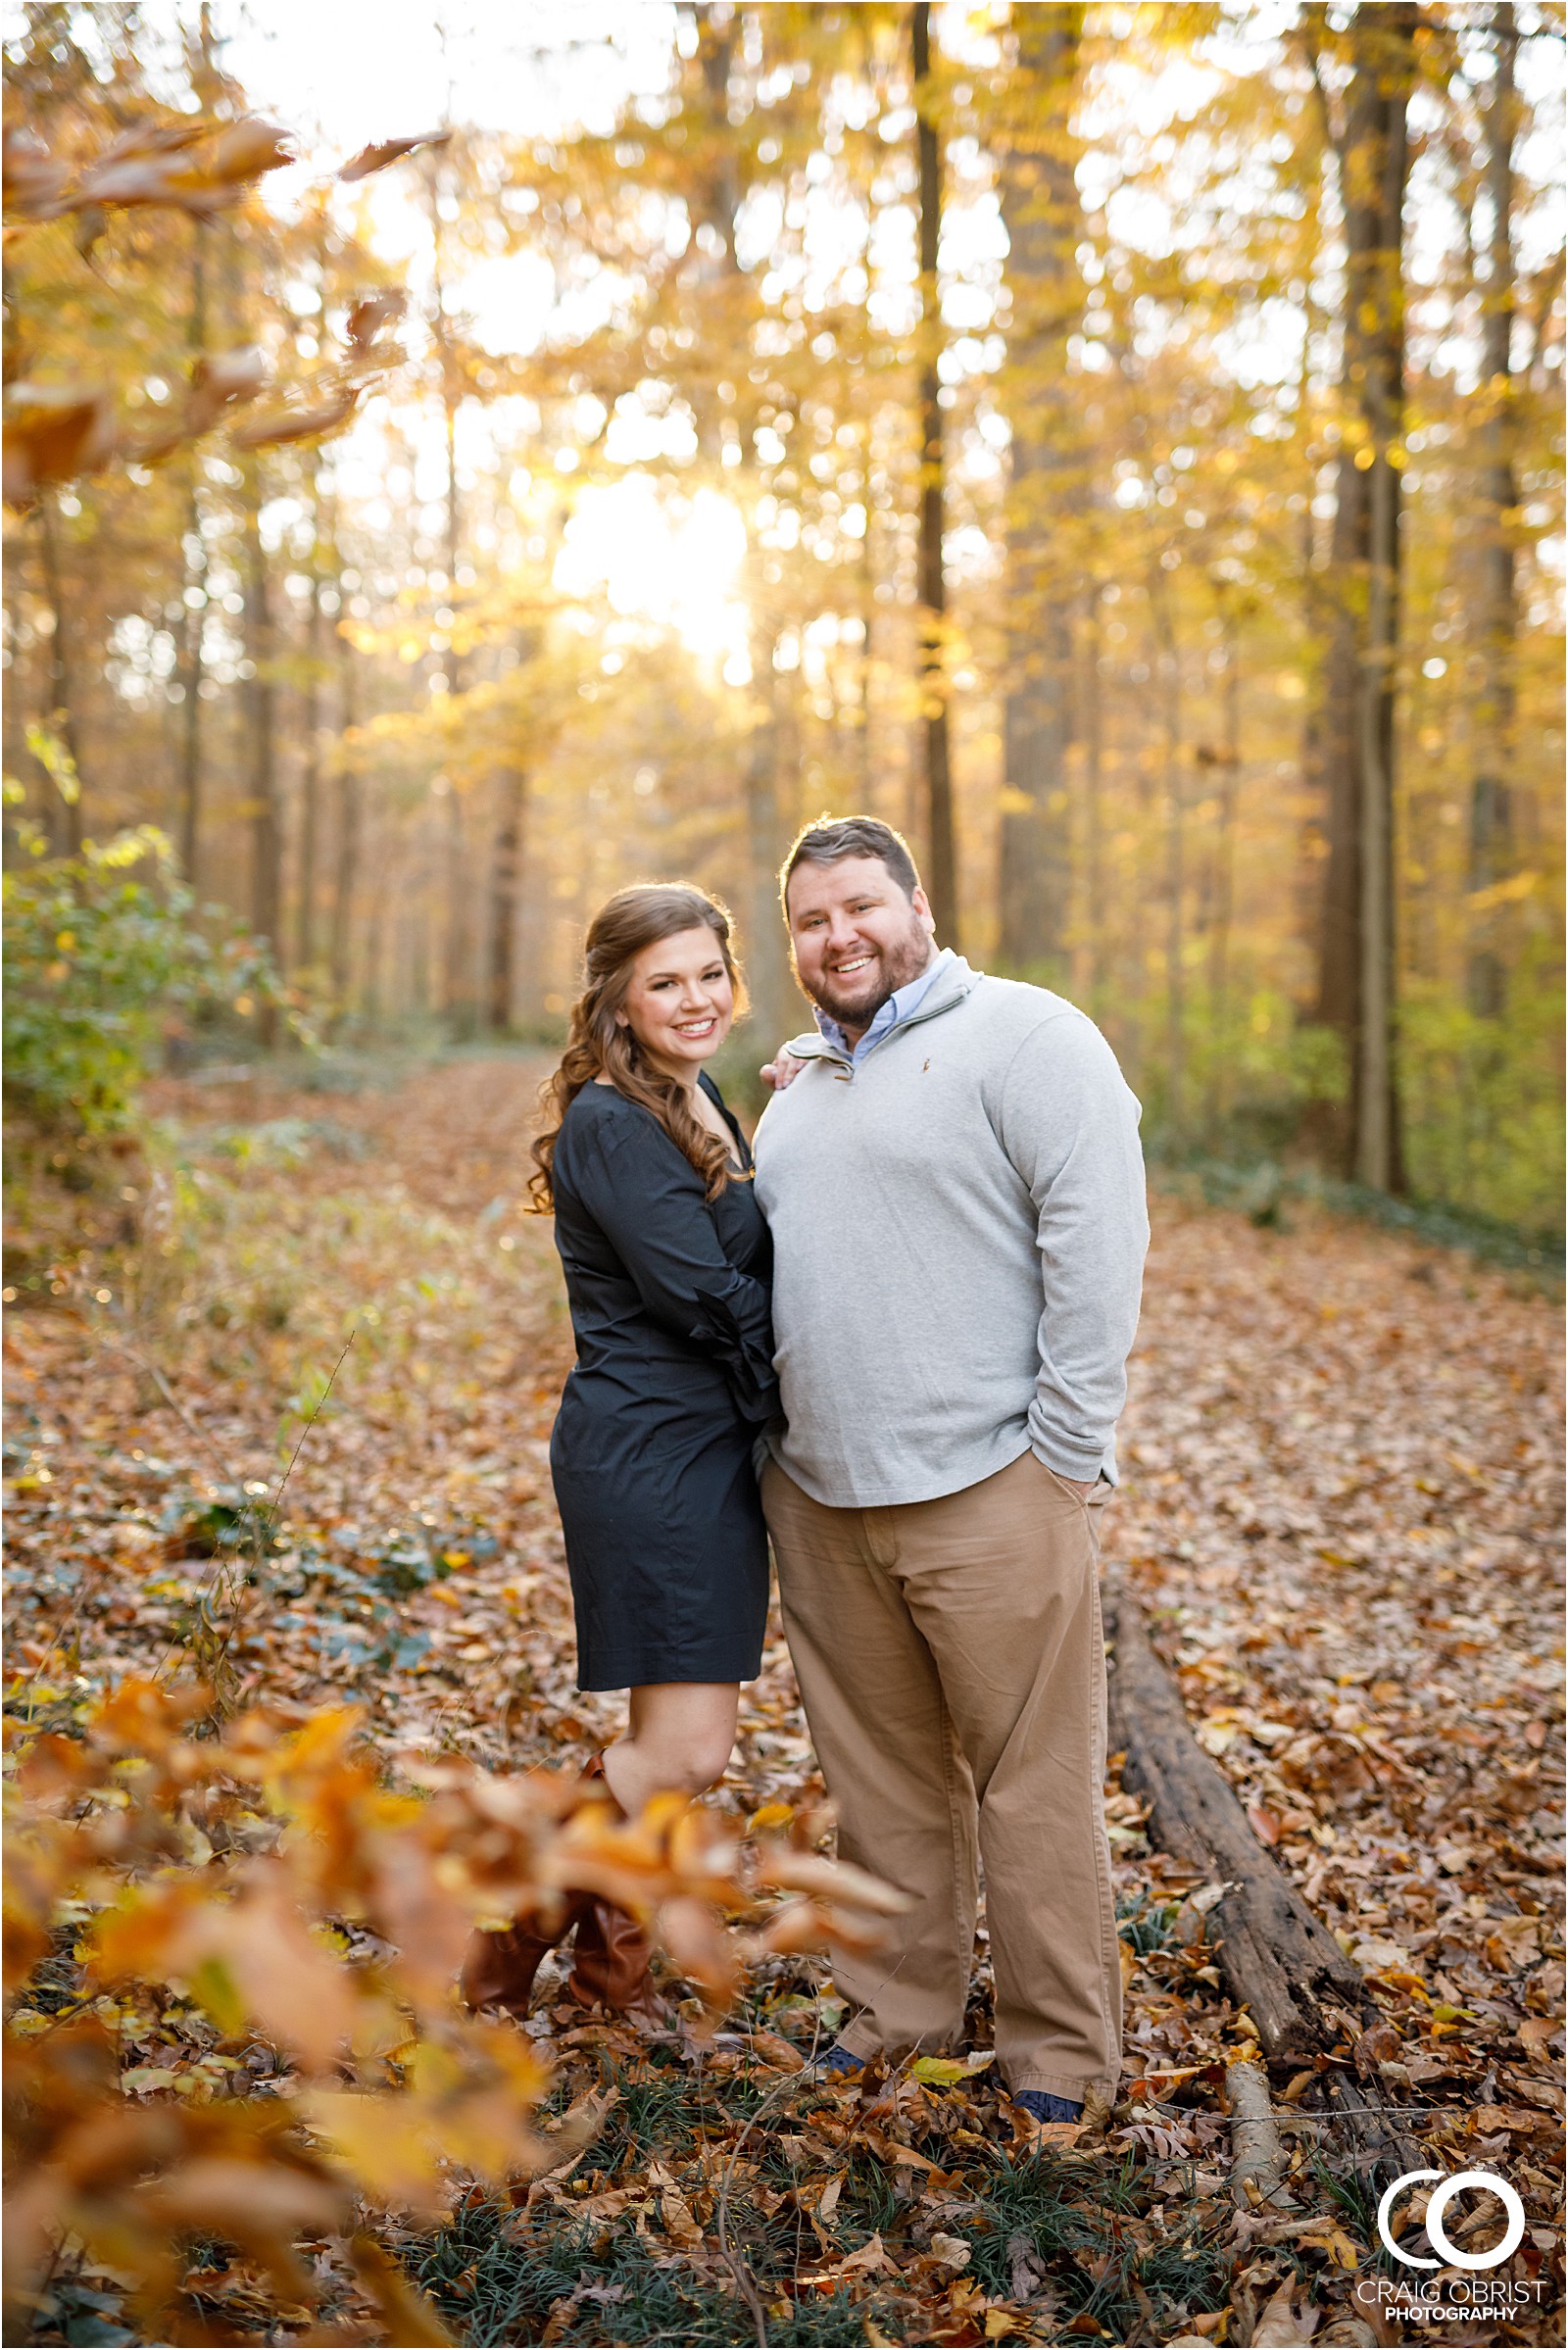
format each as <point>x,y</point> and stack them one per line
<point>672,563</point>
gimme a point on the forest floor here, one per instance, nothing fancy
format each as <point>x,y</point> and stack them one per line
<point>1340,1507</point>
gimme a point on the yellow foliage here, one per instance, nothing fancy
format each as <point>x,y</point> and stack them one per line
<point>395,2089</point>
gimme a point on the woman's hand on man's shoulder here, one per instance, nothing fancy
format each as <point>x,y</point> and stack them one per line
<point>782,1070</point>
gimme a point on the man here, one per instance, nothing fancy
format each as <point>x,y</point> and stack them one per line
<point>956,1190</point>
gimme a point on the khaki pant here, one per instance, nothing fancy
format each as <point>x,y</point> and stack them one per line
<point>952,1668</point>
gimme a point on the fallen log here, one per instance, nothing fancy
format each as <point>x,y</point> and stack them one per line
<point>1296,1980</point>
<point>1259,2161</point>
<point>1303,1993</point>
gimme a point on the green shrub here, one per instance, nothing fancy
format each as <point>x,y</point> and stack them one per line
<point>96,960</point>
<point>1484,1100</point>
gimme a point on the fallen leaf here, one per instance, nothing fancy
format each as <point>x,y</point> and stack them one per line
<point>780,2053</point>
<point>280,426</point>
<point>365,320</point>
<point>943,2072</point>
<point>377,157</point>
<point>53,432</point>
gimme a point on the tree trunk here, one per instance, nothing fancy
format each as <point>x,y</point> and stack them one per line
<point>260,698</point>
<point>346,873</point>
<point>310,768</point>
<point>867,590</point>
<point>1339,960</point>
<point>941,868</point>
<point>1356,973</point>
<point>1175,858</point>
<point>865,577</point>
<point>458,961</point>
<point>773,1002</point>
<point>1490,800</point>
<point>1092,728</point>
<point>506,874</point>
<point>1373,1101</point>
<point>68,821</point>
<point>458,956</point>
<point>724,283</point>
<point>1375,1094</point>
<point>193,625</point>
<point>1043,216</point>
<point>384,879</point>
<point>1229,763</point>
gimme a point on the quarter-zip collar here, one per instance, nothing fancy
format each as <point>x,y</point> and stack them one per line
<point>951,984</point>
<point>900,1007</point>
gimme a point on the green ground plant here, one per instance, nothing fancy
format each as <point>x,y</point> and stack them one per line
<point>1072,2240</point>
<point>103,952</point>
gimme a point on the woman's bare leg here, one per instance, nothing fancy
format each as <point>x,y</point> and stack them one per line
<point>679,1739</point>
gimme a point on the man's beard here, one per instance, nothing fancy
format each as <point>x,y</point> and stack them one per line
<point>893,969</point>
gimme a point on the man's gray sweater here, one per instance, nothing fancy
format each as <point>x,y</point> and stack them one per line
<point>958,1231</point>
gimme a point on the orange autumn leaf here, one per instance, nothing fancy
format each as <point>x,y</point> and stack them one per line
<point>52,433</point>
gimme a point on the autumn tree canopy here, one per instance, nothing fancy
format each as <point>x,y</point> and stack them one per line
<point>1120,446</point>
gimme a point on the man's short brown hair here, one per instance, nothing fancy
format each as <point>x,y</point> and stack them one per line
<point>827,839</point>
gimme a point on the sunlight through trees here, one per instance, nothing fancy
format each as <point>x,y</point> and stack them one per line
<point>1125,455</point>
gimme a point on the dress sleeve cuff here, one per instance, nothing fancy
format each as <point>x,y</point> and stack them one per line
<point>747,1361</point>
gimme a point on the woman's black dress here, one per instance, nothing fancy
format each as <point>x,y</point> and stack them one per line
<point>652,1450</point>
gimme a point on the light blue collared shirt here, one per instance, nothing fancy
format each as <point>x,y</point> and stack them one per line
<point>899,1005</point>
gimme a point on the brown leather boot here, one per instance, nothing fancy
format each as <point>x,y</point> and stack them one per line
<point>611,1961</point>
<point>499,1968</point>
<point>610,1967</point>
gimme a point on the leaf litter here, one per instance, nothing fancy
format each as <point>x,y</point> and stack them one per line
<point>1341,1509</point>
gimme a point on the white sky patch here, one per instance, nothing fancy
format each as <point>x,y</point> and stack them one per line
<point>672,563</point>
<point>1266,347</point>
<point>357,71</point>
<point>638,436</point>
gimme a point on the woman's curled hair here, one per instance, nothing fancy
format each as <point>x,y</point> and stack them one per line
<point>598,1045</point>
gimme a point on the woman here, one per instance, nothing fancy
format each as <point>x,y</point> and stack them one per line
<point>667,1267</point>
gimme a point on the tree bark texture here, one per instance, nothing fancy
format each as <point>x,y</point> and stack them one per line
<point>261,699</point>
<point>1305,1996</point>
<point>506,876</point>
<point>1091,726</point>
<point>66,814</point>
<point>310,766</point>
<point>1491,824</point>
<point>773,1002</point>
<point>1173,777</point>
<point>729,300</point>
<point>1044,220</point>
<point>345,877</point>
<point>1356,977</point>
<point>193,628</point>
<point>193,625</point>
<point>1293,1977</point>
<point>1226,761</point>
<point>459,951</point>
<point>942,864</point>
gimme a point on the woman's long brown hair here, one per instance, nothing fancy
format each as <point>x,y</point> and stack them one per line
<point>600,1046</point>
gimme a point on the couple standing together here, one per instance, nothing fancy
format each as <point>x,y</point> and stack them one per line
<point>914,1314</point>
